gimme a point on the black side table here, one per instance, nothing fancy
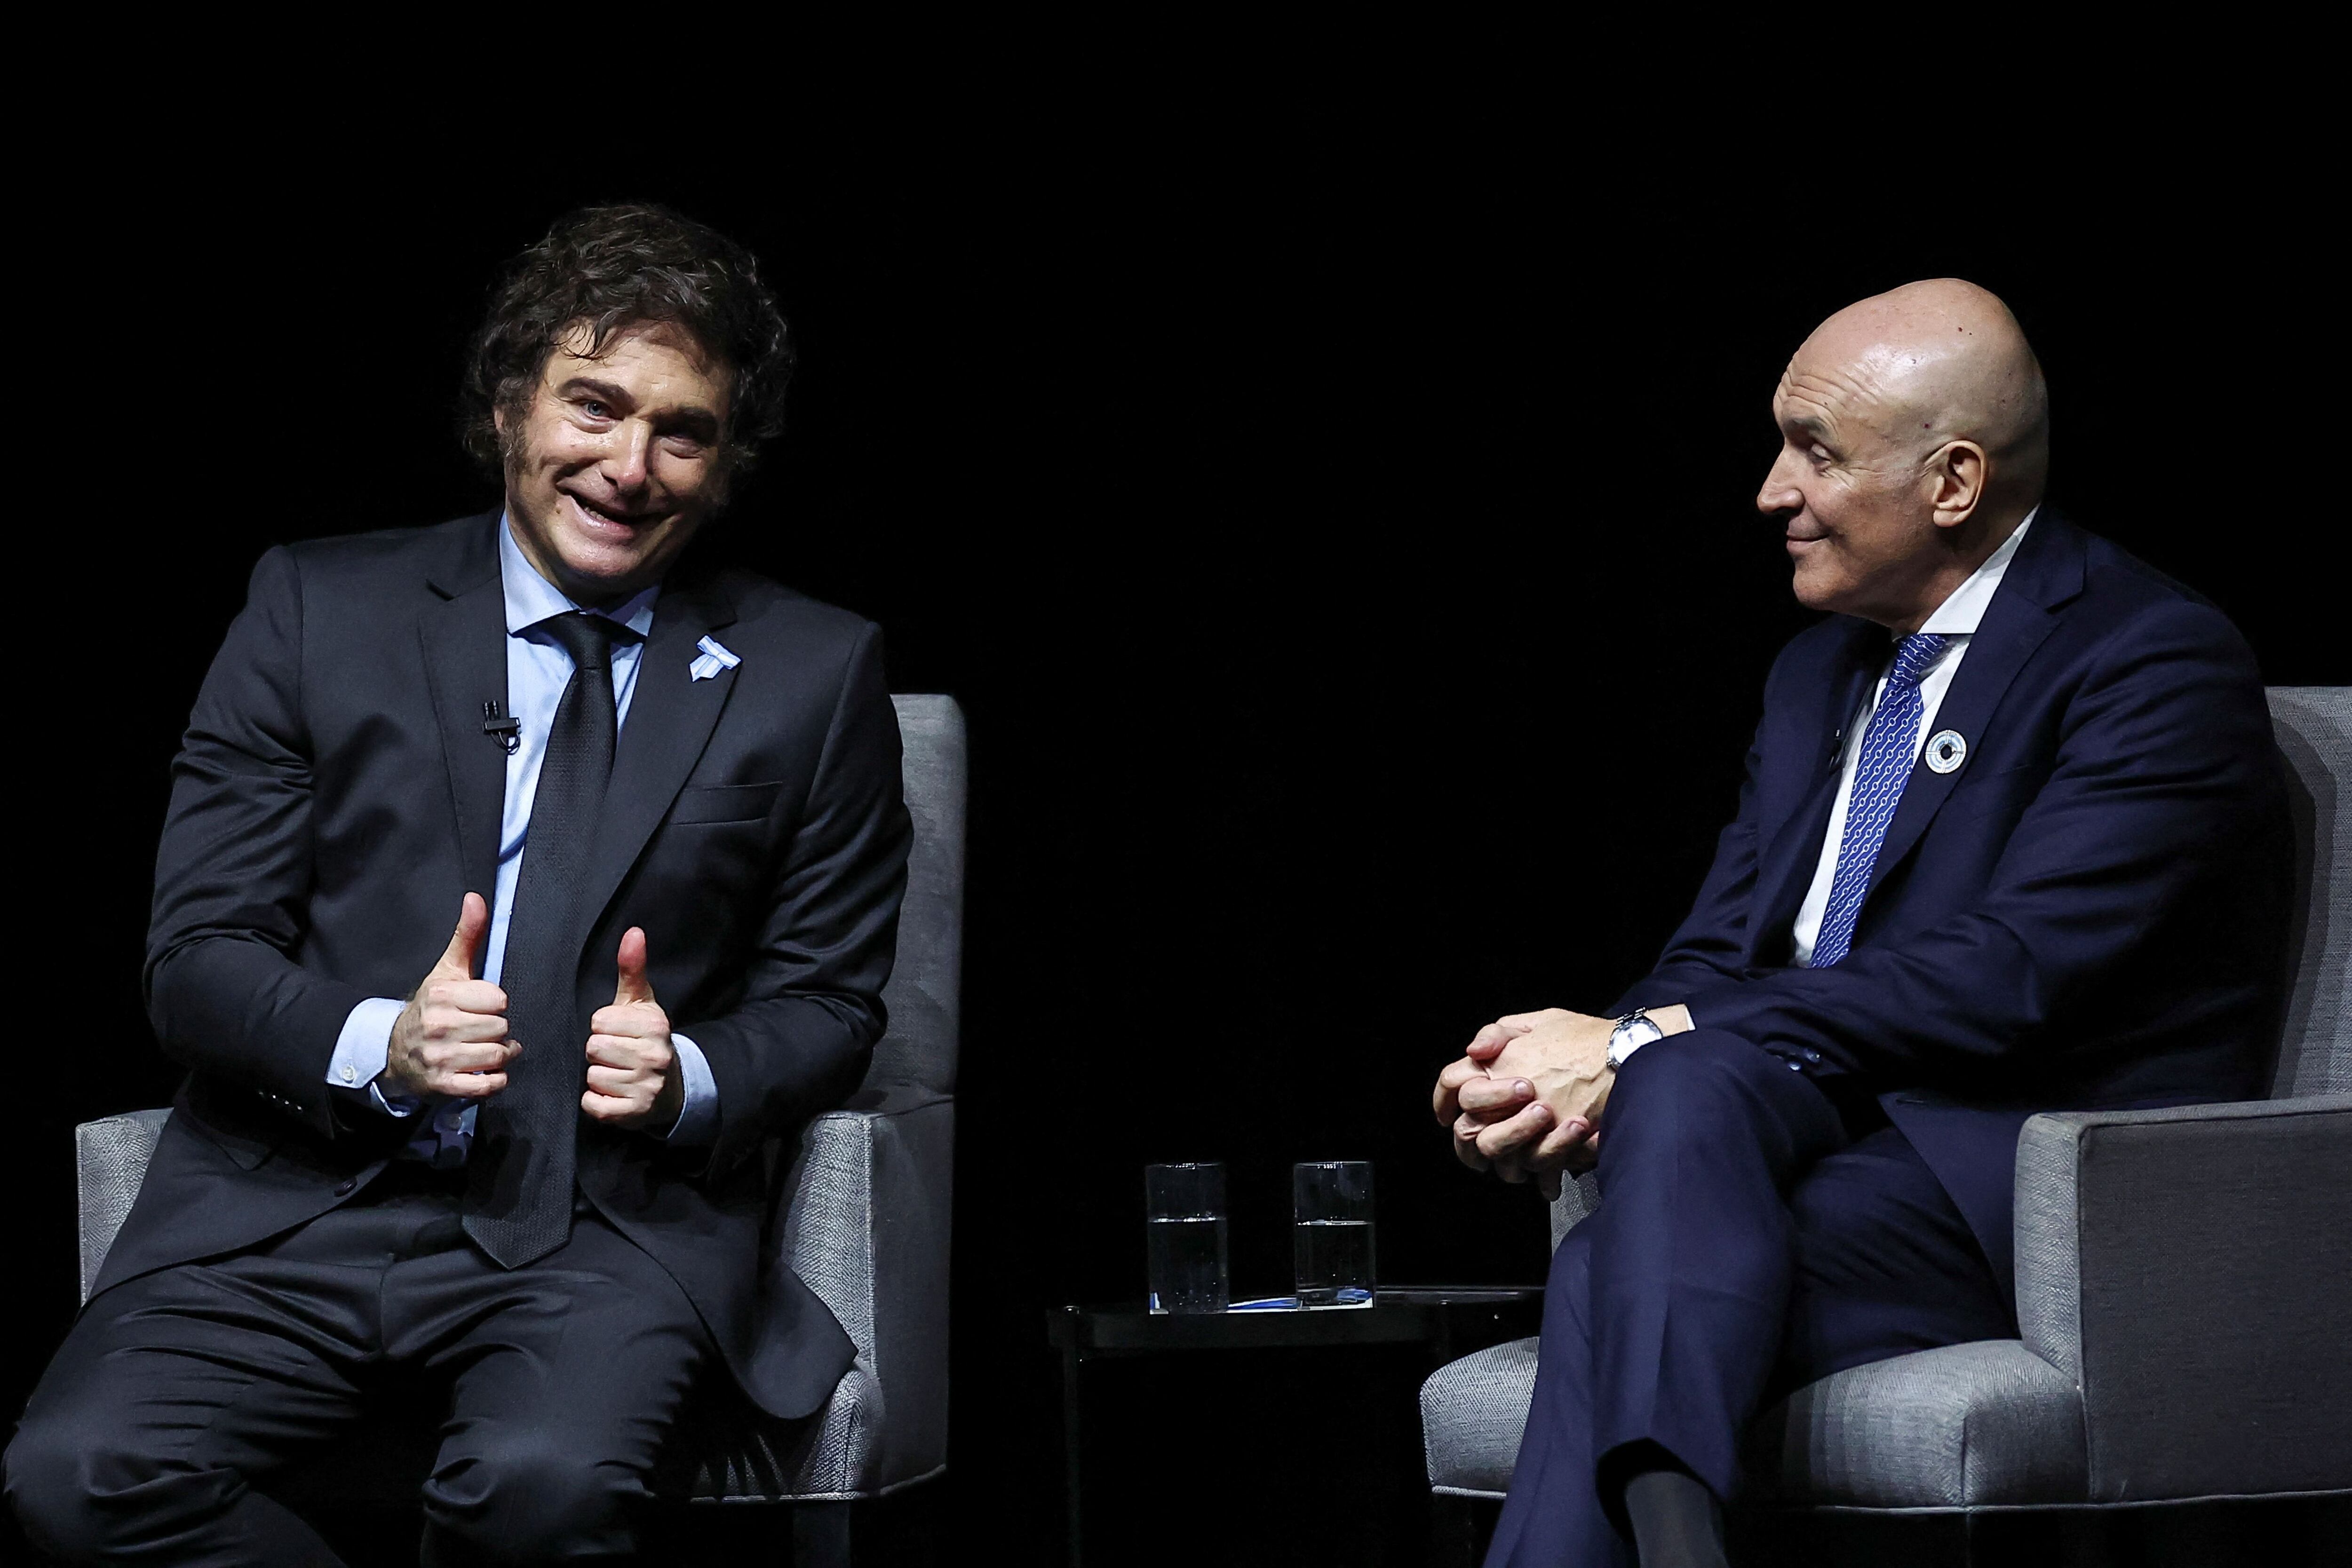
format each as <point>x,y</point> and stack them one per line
<point>1448,1321</point>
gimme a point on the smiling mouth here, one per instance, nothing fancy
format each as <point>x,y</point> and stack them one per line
<point>610,519</point>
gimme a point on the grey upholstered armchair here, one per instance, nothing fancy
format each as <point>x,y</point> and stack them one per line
<point>2184,1284</point>
<point>867,1216</point>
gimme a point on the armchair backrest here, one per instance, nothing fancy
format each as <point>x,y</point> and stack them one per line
<point>2314,725</point>
<point>919,1049</point>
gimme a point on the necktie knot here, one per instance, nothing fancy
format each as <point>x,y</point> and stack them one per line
<point>588,639</point>
<point>1914,656</point>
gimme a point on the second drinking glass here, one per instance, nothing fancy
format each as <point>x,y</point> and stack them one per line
<point>1331,1232</point>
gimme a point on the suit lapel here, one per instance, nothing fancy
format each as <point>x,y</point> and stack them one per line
<point>1786,868</point>
<point>671,715</point>
<point>464,640</point>
<point>2047,572</point>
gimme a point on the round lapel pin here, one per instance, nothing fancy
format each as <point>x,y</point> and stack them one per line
<point>1947,750</point>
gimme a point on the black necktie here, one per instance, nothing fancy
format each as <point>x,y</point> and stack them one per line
<point>519,1192</point>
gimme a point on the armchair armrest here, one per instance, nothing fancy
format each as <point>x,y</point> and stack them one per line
<point>1575,1204</point>
<point>2190,1270</point>
<point>111,1158</point>
<point>867,1231</point>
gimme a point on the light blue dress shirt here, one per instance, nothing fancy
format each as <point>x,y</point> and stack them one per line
<point>538,669</point>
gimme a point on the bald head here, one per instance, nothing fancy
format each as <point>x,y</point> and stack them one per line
<point>1934,362</point>
<point>1915,437</point>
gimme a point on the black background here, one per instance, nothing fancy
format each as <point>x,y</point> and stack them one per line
<point>1338,531</point>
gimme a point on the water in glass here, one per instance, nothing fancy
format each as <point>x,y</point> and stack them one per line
<point>1334,1258</point>
<point>1187,1262</point>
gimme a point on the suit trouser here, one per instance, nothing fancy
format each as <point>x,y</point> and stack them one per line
<point>1750,1239</point>
<point>178,1390</point>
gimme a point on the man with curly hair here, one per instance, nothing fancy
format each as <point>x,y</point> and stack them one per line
<point>525,1164</point>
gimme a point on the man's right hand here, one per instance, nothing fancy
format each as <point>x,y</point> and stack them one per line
<point>1511,1108</point>
<point>450,1041</point>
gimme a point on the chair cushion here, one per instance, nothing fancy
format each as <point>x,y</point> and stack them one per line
<point>1964,1425</point>
<point>1473,1413</point>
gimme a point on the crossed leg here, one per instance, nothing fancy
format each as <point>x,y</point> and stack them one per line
<point>1745,1243</point>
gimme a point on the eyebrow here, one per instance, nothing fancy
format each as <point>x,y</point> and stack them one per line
<point>604,390</point>
<point>1809,424</point>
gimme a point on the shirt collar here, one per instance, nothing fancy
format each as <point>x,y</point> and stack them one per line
<point>1961,614</point>
<point>531,599</point>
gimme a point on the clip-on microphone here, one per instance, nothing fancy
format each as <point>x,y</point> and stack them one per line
<point>507,731</point>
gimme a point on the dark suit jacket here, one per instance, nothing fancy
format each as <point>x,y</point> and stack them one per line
<point>2089,912</point>
<point>335,798</point>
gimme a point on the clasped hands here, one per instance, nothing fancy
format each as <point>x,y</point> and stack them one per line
<point>1524,1100</point>
<point>451,1042</point>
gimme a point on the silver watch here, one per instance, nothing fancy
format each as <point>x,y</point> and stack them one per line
<point>1633,1032</point>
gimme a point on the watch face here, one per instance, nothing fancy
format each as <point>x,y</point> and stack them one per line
<point>1626,1037</point>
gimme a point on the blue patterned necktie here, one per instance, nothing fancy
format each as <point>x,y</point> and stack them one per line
<point>1889,748</point>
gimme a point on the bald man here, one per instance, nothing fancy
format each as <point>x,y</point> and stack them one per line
<point>2012,839</point>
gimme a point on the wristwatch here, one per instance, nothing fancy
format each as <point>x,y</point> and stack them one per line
<point>1633,1032</point>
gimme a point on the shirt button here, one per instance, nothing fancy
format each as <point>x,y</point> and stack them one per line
<point>1796,1067</point>
<point>345,1189</point>
<point>351,1075</point>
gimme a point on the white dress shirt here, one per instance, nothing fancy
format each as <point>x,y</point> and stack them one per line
<point>1956,619</point>
<point>538,669</point>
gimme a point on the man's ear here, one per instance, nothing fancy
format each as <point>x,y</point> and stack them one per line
<point>1955,482</point>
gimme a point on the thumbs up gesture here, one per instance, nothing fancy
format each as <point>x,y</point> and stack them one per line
<point>451,1040</point>
<point>633,1078</point>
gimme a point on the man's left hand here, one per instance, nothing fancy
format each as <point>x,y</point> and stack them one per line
<point>632,1077</point>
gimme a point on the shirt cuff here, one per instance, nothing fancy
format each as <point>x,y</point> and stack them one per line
<point>361,1049</point>
<point>698,1119</point>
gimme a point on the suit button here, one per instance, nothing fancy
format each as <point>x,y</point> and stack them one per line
<point>345,1189</point>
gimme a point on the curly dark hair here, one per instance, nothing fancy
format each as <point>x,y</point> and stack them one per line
<point>609,267</point>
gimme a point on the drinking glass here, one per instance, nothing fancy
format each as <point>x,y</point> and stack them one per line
<point>1184,1223</point>
<point>1331,1232</point>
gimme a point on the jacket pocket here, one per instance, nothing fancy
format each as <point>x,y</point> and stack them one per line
<point>726,803</point>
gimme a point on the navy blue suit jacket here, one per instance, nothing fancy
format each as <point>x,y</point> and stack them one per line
<point>2089,912</point>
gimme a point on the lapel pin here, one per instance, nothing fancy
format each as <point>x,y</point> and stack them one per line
<point>1947,751</point>
<point>714,658</point>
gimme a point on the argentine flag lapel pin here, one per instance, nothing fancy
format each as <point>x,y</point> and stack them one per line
<point>714,657</point>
